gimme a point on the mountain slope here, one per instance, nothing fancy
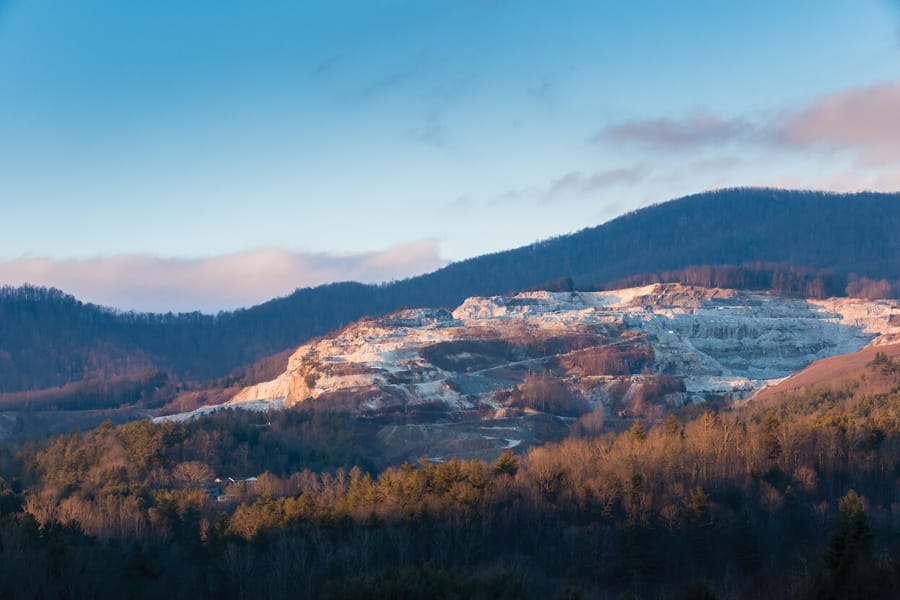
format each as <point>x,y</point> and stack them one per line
<point>846,233</point>
<point>828,373</point>
<point>49,339</point>
<point>581,348</point>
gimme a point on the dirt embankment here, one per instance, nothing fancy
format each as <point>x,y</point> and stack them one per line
<point>827,372</point>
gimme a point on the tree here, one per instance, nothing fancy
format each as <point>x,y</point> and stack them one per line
<point>192,473</point>
<point>507,463</point>
<point>771,444</point>
<point>853,538</point>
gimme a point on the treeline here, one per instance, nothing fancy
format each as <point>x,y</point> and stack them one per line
<point>872,289</point>
<point>794,499</point>
<point>147,390</point>
<point>781,279</point>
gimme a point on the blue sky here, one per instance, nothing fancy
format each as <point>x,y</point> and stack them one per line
<point>174,155</point>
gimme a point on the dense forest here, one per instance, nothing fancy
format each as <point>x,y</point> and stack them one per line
<point>794,498</point>
<point>792,242</point>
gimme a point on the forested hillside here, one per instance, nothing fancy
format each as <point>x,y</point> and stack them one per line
<point>797,242</point>
<point>48,338</point>
<point>789,499</point>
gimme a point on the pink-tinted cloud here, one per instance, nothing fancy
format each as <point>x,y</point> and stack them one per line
<point>862,119</point>
<point>862,123</point>
<point>888,180</point>
<point>693,130</point>
<point>845,180</point>
<point>148,283</point>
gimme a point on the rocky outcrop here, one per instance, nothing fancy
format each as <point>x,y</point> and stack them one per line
<point>715,341</point>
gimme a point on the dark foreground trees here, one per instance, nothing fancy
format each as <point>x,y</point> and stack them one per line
<point>793,499</point>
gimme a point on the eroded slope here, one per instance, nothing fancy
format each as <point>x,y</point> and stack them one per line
<point>718,342</point>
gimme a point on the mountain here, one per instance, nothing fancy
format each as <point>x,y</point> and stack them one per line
<point>810,243</point>
<point>494,365</point>
<point>717,341</point>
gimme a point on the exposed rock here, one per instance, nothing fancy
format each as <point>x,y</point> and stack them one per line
<point>722,342</point>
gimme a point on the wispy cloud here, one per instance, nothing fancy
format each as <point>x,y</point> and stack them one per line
<point>149,283</point>
<point>865,120</point>
<point>407,73</point>
<point>693,130</point>
<point>326,66</point>
<point>715,164</point>
<point>580,182</point>
<point>431,130</point>
<point>576,182</point>
<point>543,92</point>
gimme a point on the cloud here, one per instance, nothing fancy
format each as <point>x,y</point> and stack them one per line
<point>576,182</point>
<point>861,119</point>
<point>543,92</point>
<point>845,180</point>
<point>693,130</point>
<point>888,180</point>
<point>579,182</point>
<point>397,77</point>
<point>149,283</point>
<point>715,164</point>
<point>326,66</point>
<point>431,132</point>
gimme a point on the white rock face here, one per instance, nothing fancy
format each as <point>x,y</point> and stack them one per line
<point>718,341</point>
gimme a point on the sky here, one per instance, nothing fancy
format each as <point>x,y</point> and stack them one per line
<point>213,154</point>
